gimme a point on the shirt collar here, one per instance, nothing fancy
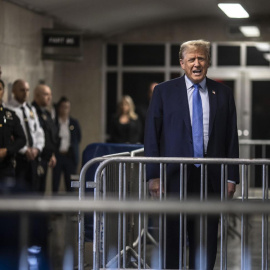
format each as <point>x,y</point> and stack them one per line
<point>13,102</point>
<point>189,83</point>
<point>63,122</point>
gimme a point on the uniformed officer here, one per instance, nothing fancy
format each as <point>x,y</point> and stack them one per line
<point>12,139</point>
<point>27,158</point>
<point>42,99</point>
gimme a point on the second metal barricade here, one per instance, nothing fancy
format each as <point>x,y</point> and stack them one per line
<point>128,245</point>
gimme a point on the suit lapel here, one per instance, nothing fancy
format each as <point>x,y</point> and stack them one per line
<point>181,91</point>
<point>212,93</point>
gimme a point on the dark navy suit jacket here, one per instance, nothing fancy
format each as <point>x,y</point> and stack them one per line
<point>168,131</point>
<point>75,138</point>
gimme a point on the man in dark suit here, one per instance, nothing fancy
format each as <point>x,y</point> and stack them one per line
<point>192,116</point>
<point>42,99</point>
<point>67,154</point>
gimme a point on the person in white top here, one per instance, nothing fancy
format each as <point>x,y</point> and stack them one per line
<point>27,158</point>
<point>67,153</point>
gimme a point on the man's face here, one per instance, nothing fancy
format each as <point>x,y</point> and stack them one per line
<point>195,64</point>
<point>45,96</point>
<point>21,91</point>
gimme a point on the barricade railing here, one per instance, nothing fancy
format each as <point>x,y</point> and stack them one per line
<point>82,184</point>
<point>253,143</point>
<point>120,260</point>
<point>254,149</point>
<point>67,205</point>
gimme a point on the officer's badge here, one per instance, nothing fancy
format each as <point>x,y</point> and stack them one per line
<point>9,115</point>
<point>32,115</point>
<point>44,116</point>
<point>71,127</point>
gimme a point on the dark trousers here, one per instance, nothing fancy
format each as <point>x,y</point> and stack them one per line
<point>26,172</point>
<point>193,231</point>
<point>42,169</point>
<point>66,165</point>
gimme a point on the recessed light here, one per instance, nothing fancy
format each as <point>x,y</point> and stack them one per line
<point>250,31</point>
<point>263,46</point>
<point>233,10</point>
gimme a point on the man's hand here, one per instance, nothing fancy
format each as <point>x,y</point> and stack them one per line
<point>231,190</point>
<point>52,161</point>
<point>29,154</point>
<point>154,187</point>
<point>35,152</point>
<point>3,152</point>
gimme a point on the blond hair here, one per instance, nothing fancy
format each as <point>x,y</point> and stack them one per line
<point>200,43</point>
<point>130,102</point>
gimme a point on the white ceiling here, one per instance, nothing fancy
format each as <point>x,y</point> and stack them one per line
<point>108,17</point>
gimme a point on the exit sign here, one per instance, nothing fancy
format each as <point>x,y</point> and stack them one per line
<point>53,40</point>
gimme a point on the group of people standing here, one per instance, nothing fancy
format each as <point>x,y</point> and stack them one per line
<point>31,140</point>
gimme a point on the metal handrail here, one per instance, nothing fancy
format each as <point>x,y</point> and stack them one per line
<point>70,205</point>
<point>254,142</point>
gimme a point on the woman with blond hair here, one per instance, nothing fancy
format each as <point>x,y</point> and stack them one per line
<point>126,126</point>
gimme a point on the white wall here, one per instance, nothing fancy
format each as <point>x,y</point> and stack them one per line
<point>20,45</point>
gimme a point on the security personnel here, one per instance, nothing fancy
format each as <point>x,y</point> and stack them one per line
<point>68,150</point>
<point>42,99</point>
<point>27,158</point>
<point>11,140</point>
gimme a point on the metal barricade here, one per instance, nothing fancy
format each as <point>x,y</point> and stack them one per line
<point>82,184</point>
<point>254,149</point>
<point>251,144</point>
<point>131,171</point>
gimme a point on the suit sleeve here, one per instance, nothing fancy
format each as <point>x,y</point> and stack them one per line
<point>18,136</point>
<point>232,144</point>
<point>153,133</point>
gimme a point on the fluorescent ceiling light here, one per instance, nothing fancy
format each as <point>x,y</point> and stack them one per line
<point>267,56</point>
<point>263,47</point>
<point>250,31</point>
<point>233,10</point>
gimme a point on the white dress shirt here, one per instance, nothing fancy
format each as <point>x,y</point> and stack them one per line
<point>36,131</point>
<point>205,107</point>
<point>64,134</point>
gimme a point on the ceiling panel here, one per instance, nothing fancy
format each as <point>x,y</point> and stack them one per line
<point>105,17</point>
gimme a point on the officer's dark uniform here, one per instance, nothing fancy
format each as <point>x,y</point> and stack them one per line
<point>51,142</point>
<point>11,137</point>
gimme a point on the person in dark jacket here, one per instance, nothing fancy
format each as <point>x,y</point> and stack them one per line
<point>27,157</point>
<point>42,99</point>
<point>126,126</point>
<point>67,154</point>
<point>192,116</point>
<point>12,139</point>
